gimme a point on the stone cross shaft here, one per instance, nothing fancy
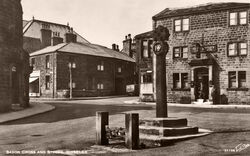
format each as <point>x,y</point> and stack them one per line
<point>160,47</point>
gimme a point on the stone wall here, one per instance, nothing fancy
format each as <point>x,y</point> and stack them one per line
<point>13,61</point>
<point>85,71</point>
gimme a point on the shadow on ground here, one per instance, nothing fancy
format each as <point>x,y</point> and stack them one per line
<point>73,111</point>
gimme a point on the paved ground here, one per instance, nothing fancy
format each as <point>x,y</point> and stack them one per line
<point>71,126</point>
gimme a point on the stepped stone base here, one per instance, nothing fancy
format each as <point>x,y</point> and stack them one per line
<point>165,131</point>
<point>164,122</point>
<point>168,131</point>
<point>157,141</point>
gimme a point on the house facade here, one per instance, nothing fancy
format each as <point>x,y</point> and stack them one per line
<point>83,68</point>
<point>208,59</point>
<point>38,34</point>
<point>14,61</point>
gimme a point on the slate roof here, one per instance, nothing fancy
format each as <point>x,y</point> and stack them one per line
<point>199,9</point>
<point>25,22</point>
<point>85,49</point>
<point>144,35</point>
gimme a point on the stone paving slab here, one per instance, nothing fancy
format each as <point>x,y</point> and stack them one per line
<point>34,109</point>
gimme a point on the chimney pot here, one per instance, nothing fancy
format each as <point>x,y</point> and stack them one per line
<point>129,36</point>
<point>126,37</point>
<point>117,47</point>
<point>113,46</point>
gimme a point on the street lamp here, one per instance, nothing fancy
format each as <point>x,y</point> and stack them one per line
<point>70,80</point>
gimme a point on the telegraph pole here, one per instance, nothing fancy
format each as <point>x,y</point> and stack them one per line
<point>160,48</point>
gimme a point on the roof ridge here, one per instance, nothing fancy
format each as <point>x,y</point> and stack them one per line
<point>201,8</point>
<point>63,45</point>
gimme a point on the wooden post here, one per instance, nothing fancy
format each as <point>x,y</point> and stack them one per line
<point>102,120</point>
<point>132,130</point>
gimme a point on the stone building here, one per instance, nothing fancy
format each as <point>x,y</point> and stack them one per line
<point>14,68</point>
<point>38,34</point>
<point>144,63</point>
<point>87,69</point>
<point>208,60</point>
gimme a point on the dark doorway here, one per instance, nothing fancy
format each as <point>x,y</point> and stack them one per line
<point>120,88</point>
<point>201,89</point>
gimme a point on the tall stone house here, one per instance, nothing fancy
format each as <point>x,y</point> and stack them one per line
<point>14,61</point>
<point>38,34</point>
<point>208,60</point>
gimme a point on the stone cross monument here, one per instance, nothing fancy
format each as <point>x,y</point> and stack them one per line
<point>160,48</point>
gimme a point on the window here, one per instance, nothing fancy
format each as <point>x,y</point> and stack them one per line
<point>185,24</point>
<point>184,80</point>
<point>232,51</point>
<point>242,48</point>
<point>233,18</point>
<point>232,79</point>
<point>177,25</point>
<point>239,48</point>
<point>145,49</point>
<point>243,17</point>
<point>47,82</point>
<point>72,62</point>
<point>181,25</point>
<point>176,79</point>
<point>47,61</point>
<point>239,76</point>
<point>33,62</point>
<point>146,78</point>
<point>237,18</point>
<point>73,85</point>
<point>100,86</point>
<point>119,69</point>
<point>180,81</point>
<point>100,67</point>
<point>150,48</point>
<point>242,79</point>
<point>180,52</point>
<point>56,34</point>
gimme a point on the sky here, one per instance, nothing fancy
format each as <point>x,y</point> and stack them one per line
<point>105,22</point>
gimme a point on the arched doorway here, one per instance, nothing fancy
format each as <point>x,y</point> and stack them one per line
<point>201,83</point>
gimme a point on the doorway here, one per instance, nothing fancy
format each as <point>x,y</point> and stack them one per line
<point>201,82</point>
<point>120,88</point>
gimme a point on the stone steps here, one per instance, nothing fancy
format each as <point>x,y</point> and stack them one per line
<point>168,131</point>
<point>164,131</point>
<point>156,141</point>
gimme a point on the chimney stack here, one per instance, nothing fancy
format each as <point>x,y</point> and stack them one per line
<point>117,48</point>
<point>70,36</point>
<point>113,46</point>
<point>46,35</point>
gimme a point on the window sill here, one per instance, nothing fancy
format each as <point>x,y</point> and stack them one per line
<point>180,59</point>
<point>182,31</point>
<point>237,25</point>
<point>245,55</point>
<point>180,89</point>
<point>237,89</point>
